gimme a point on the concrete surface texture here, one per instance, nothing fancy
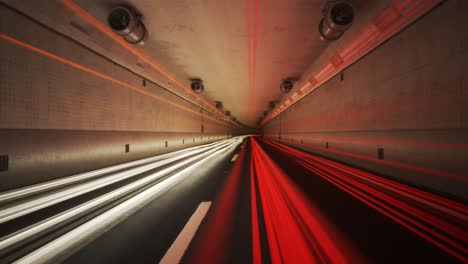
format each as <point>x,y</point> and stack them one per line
<point>405,102</point>
<point>106,153</point>
<point>214,41</point>
<point>57,120</point>
<point>410,89</point>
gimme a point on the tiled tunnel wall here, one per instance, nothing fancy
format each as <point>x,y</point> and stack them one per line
<point>408,97</point>
<point>56,120</point>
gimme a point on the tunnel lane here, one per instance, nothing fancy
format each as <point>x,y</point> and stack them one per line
<point>307,209</point>
<point>53,209</point>
<point>379,219</point>
<point>261,201</point>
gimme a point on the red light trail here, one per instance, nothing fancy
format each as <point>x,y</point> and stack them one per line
<point>252,43</point>
<point>438,220</point>
<point>256,247</point>
<point>462,178</point>
<point>297,232</point>
<point>213,242</point>
<point>365,41</point>
<point>383,141</point>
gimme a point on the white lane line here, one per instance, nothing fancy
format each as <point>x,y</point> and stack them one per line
<point>175,253</point>
<point>234,158</point>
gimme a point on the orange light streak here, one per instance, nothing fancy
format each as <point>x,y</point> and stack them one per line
<point>98,74</point>
<point>106,31</point>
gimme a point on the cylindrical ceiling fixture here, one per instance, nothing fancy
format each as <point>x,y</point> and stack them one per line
<point>272,105</point>
<point>197,86</point>
<point>286,86</point>
<point>337,18</point>
<point>127,24</point>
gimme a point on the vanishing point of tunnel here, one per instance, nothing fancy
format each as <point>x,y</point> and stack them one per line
<point>224,131</point>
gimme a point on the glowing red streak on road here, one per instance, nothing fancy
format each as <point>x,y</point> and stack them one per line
<point>297,232</point>
<point>211,245</point>
<point>440,221</point>
<point>256,248</point>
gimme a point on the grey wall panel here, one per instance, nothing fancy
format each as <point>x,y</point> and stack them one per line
<point>57,120</point>
<point>39,155</point>
<point>412,88</point>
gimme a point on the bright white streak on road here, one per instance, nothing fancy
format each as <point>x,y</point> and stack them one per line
<point>99,224</point>
<point>37,203</point>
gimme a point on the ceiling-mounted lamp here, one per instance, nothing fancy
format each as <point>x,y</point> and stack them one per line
<point>197,85</point>
<point>272,104</point>
<point>337,18</point>
<point>126,22</point>
<point>286,85</point>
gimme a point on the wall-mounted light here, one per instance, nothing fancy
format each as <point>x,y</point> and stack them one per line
<point>286,86</point>
<point>197,86</point>
<point>337,18</point>
<point>126,23</point>
<point>272,104</point>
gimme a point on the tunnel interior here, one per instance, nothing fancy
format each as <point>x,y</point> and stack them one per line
<point>328,131</point>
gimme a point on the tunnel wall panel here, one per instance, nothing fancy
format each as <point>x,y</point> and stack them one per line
<point>57,120</point>
<point>39,155</point>
<point>412,89</point>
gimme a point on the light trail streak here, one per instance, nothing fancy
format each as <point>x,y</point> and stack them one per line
<point>256,245</point>
<point>297,231</point>
<point>102,76</point>
<point>211,245</point>
<point>380,141</point>
<point>253,11</point>
<point>45,186</point>
<point>36,203</point>
<point>24,235</point>
<point>454,176</point>
<point>98,25</point>
<point>356,50</point>
<point>98,225</point>
<point>438,220</point>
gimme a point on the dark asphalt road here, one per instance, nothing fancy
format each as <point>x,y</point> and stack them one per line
<point>146,235</point>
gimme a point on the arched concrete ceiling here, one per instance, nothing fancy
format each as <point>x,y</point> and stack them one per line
<point>242,50</point>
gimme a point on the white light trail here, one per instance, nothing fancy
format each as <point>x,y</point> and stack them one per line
<point>62,218</point>
<point>41,187</point>
<point>99,224</point>
<point>37,203</point>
